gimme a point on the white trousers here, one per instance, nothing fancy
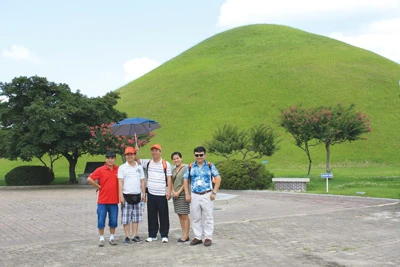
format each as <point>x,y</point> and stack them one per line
<point>202,210</point>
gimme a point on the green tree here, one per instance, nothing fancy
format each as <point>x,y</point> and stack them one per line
<point>39,117</point>
<point>329,125</point>
<point>229,142</point>
<point>298,121</point>
<point>338,124</point>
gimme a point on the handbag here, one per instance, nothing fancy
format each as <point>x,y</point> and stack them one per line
<point>132,198</point>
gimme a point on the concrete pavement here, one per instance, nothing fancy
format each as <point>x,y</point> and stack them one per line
<point>56,226</point>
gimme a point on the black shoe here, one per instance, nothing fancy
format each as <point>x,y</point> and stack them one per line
<point>127,241</point>
<point>181,241</point>
<point>137,239</point>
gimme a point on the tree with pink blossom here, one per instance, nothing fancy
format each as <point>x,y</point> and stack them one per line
<point>327,125</point>
<point>102,139</point>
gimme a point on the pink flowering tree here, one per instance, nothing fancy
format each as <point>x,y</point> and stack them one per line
<point>298,121</point>
<point>327,125</point>
<point>102,139</point>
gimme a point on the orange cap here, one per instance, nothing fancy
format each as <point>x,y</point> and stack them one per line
<point>130,149</point>
<point>156,146</point>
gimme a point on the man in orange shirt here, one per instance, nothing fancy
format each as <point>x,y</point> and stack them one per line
<point>107,185</point>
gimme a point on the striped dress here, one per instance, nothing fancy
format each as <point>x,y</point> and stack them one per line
<point>180,204</point>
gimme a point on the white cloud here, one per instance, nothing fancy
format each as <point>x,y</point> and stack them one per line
<point>381,37</point>
<point>137,67</point>
<point>366,24</point>
<point>19,52</point>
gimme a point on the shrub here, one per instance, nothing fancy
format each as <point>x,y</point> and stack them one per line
<point>29,175</point>
<point>243,174</point>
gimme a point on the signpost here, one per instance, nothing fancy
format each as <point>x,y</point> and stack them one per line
<point>327,176</point>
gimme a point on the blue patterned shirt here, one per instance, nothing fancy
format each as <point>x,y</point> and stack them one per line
<point>200,178</point>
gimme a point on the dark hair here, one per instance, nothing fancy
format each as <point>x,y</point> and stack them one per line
<point>110,154</point>
<point>176,153</point>
<point>200,149</point>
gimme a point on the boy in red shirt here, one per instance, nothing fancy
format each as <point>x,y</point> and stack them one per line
<point>107,185</point>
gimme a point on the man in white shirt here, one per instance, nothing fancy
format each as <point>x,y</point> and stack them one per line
<point>132,190</point>
<point>159,186</point>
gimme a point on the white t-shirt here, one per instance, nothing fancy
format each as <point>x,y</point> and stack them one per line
<point>131,178</point>
<point>156,183</point>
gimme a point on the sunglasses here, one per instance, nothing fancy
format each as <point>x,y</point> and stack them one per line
<point>198,155</point>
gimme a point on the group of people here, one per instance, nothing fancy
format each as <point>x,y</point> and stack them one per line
<point>154,181</point>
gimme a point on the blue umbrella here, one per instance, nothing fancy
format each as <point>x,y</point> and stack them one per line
<point>133,126</point>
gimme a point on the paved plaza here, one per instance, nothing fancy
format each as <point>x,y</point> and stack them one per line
<point>56,226</point>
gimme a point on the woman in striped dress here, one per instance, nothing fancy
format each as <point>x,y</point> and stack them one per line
<point>182,208</point>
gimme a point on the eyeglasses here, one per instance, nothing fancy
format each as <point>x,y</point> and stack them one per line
<point>130,154</point>
<point>198,155</point>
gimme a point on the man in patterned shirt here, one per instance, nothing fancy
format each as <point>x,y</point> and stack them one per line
<point>201,175</point>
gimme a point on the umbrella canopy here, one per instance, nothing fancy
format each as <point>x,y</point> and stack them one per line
<point>132,126</point>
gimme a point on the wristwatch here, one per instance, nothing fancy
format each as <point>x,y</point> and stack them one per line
<point>213,193</point>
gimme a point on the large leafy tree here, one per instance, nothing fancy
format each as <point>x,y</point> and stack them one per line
<point>38,117</point>
<point>256,142</point>
<point>328,125</point>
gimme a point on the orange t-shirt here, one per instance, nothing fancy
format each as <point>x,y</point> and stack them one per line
<point>108,180</point>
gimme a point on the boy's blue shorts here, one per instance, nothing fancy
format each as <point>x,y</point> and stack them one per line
<point>102,210</point>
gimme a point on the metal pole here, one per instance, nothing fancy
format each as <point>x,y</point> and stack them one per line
<point>327,184</point>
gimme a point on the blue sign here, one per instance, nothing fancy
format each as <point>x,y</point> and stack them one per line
<point>264,161</point>
<point>328,175</point>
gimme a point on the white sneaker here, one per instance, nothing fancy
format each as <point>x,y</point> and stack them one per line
<point>164,240</point>
<point>151,239</point>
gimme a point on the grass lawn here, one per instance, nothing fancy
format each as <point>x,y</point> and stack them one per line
<point>380,182</point>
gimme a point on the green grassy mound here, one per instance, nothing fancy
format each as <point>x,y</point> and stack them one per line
<point>246,76</point>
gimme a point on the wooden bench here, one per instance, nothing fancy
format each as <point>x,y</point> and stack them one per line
<point>291,184</point>
<point>89,168</point>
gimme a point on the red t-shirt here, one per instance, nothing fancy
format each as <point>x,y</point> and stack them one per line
<point>108,179</point>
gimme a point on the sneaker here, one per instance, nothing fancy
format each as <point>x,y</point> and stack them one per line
<point>101,243</point>
<point>112,242</point>
<point>207,242</point>
<point>137,239</point>
<point>127,241</point>
<point>151,239</point>
<point>195,241</point>
<point>164,240</point>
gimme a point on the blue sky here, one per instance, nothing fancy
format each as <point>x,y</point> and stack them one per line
<point>99,46</point>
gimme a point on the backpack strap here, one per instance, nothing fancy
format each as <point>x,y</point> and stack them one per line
<point>190,167</point>
<point>164,163</point>
<point>209,166</point>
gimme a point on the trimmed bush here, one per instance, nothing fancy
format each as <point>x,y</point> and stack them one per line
<point>243,174</point>
<point>29,175</point>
